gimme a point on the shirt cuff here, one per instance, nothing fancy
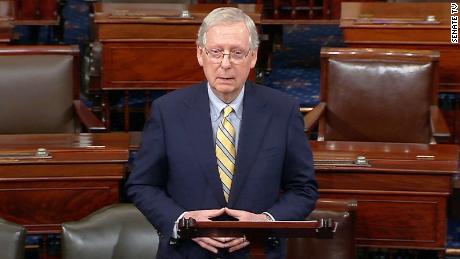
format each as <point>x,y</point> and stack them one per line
<point>269,216</point>
<point>174,233</point>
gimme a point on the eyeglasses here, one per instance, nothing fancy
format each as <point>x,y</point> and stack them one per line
<point>236,56</point>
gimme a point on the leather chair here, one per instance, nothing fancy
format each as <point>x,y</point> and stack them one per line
<point>117,231</point>
<point>12,240</point>
<point>40,91</point>
<point>342,245</point>
<point>379,95</point>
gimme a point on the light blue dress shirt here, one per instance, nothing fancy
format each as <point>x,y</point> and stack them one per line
<point>216,106</point>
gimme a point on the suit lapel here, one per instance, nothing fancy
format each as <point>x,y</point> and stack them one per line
<point>254,123</point>
<point>198,125</point>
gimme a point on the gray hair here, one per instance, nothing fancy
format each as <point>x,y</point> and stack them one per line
<point>228,15</point>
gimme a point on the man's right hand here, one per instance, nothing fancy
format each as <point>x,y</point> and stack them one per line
<point>211,244</point>
<point>204,215</point>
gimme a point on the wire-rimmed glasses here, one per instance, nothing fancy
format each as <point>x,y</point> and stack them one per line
<point>236,56</point>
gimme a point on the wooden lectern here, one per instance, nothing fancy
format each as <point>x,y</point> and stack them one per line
<point>258,233</point>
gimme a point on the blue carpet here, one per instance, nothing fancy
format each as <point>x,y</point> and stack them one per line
<point>76,18</point>
<point>296,68</point>
<point>453,233</point>
<point>77,24</point>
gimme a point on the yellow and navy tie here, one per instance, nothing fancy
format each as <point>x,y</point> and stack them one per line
<point>226,151</point>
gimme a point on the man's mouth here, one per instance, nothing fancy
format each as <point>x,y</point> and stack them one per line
<point>224,78</point>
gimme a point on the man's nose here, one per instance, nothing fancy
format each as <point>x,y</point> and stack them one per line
<point>225,61</point>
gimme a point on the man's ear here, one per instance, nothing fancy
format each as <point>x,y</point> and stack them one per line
<point>199,55</point>
<point>253,56</point>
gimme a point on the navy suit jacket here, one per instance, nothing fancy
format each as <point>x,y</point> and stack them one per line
<point>176,168</point>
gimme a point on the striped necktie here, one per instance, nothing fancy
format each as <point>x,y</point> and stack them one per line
<point>226,151</point>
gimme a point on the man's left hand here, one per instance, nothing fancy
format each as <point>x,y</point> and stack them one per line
<point>243,215</point>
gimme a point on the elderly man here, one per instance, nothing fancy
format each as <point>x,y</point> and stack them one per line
<point>223,148</point>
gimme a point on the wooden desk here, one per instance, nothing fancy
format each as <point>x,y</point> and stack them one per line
<point>402,192</point>
<point>36,12</point>
<point>150,46</point>
<point>405,25</point>
<point>80,174</point>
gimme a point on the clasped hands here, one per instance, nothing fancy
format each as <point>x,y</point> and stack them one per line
<point>231,243</point>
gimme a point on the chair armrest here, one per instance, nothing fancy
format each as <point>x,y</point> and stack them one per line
<point>311,118</point>
<point>439,127</point>
<point>342,245</point>
<point>87,117</point>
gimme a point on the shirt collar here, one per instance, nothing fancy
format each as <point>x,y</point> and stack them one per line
<point>217,105</point>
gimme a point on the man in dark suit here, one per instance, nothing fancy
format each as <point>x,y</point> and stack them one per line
<point>223,148</point>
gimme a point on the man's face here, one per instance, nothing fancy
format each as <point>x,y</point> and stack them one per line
<point>227,78</point>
